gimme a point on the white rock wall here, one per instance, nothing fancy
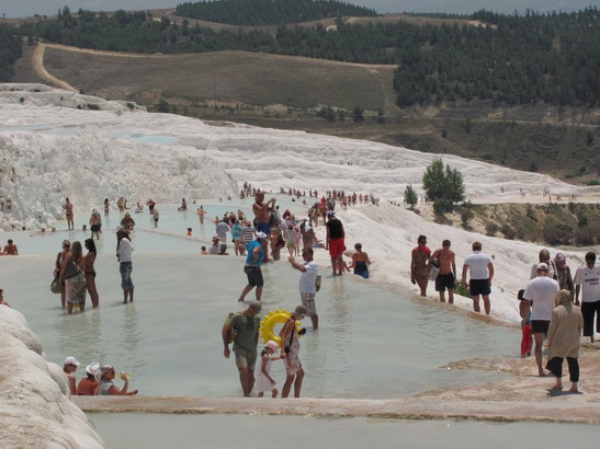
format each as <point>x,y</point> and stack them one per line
<point>35,406</point>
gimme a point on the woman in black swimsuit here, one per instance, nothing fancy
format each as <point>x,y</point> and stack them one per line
<point>360,262</point>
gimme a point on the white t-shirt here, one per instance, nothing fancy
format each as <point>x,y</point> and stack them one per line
<point>309,277</point>
<point>551,270</point>
<point>541,291</point>
<point>478,265</point>
<point>589,279</point>
<point>125,250</point>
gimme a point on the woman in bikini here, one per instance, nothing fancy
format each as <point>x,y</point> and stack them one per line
<point>90,272</point>
<point>360,262</point>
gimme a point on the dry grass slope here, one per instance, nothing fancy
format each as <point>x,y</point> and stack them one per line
<point>252,78</point>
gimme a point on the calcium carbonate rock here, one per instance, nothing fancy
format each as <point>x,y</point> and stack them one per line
<point>34,401</point>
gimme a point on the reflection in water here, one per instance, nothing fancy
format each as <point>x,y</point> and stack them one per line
<point>131,335</point>
<point>80,335</point>
<point>341,305</point>
<point>336,365</point>
<point>313,360</point>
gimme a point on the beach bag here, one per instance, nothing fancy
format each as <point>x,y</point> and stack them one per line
<point>280,242</point>
<point>71,271</point>
<point>55,286</point>
<point>434,271</point>
<point>234,331</point>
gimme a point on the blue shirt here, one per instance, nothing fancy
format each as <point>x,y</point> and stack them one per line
<point>250,258</point>
<point>236,231</point>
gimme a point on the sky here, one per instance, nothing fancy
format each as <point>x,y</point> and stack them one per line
<point>25,8</point>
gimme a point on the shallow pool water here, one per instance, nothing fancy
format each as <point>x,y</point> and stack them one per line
<point>374,341</point>
<point>147,431</point>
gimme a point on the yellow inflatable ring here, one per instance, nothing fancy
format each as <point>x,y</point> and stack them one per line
<point>267,325</point>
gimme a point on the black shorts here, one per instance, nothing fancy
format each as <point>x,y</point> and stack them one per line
<point>444,281</point>
<point>540,326</point>
<point>479,287</point>
<point>96,228</point>
<point>255,278</point>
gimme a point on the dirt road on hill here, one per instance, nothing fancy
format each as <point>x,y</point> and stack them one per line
<point>37,62</point>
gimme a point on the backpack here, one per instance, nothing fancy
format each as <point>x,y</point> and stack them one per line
<point>280,242</point>
<point>235,330</point>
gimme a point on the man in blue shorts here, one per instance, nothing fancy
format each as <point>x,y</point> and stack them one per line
<point>482,272</point>
<point>254,260</point>
<point>262,214</point>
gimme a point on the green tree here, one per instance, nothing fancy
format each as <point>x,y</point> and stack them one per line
<point>163,106</point>
<point>444,186</point>
<point>358,114</point>
<point>410,196</point>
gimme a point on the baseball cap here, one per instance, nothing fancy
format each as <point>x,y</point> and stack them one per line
<point>71,361</point>
<point>331,213</point>
<point>261,235</point>
<point>256,306</point>
<point>301,310</point>
<point>542,266</point>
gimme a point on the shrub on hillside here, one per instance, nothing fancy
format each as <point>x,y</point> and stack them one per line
<point>466,215</point>
<point>557,233</point>
<point>491,229</point>
<point>584,237</point>
<point>461,289</point>
<point>509,233</point>
<point>410,196</point>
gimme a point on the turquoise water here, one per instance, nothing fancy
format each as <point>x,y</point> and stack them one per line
<point>374,341</point>
<point>60,130</point>
<point>147,431</point>
<point>154,139</point>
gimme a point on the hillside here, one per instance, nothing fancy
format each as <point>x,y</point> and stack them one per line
<point>285,92</point>
<point>500,59</point>
<point>552,224</point>
<point>516,91</point>
<point>201,81</point>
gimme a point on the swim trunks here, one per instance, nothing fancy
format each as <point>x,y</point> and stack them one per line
<point>479,287</point>
<point>444,281</point>
<point>336,247</point>
<point>254,274</point>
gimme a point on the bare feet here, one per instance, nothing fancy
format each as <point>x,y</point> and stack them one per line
<point>557,387</point>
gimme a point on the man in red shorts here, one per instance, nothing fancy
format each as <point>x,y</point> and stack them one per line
<point>335,243</point>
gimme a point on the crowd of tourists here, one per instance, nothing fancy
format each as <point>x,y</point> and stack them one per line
<point>550,305</point>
